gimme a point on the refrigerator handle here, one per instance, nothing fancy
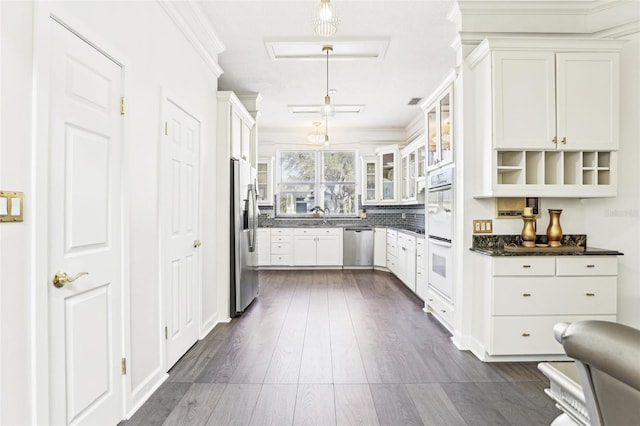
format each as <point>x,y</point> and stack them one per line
<point>253,220</point>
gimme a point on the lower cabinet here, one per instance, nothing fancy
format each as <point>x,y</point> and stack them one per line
<point>421,275</point>
<point>281,246</point>
<point>317,247</point>
<point>392,251</point>
<point>380,247</point>
<point>263,239</point>
<point>525,296</point>
<point>407,260</point>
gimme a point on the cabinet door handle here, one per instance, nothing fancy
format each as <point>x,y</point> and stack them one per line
<point>526,266</point>
<point>590,294</point>
<point>564,140</point>
<point>591,266</point>
<point>555,140</point>
<point>526,294</point>
<point>525,335</point>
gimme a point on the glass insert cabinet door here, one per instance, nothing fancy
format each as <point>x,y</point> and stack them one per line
<point>388,178</point>
<point>370,179</point>
<point>445,130</point>
<point>263,181</point>
<point>432,141</point>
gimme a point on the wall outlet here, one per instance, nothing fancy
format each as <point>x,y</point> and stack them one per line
<point>482,226</point>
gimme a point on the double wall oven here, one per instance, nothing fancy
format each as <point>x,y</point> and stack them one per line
<point>440,231</point>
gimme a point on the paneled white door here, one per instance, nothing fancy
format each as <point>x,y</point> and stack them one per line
<point>181,207</point>
<point>85,243</point>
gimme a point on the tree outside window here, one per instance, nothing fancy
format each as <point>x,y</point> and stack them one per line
<point>317,178</point>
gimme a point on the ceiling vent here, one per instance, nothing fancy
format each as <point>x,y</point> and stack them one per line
<point>414,101</point>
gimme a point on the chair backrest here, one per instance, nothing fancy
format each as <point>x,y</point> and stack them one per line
<point>607,355</point>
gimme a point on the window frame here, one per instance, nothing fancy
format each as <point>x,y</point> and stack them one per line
<point>317,183</point>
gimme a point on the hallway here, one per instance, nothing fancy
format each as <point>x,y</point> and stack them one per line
<point>341,347</point>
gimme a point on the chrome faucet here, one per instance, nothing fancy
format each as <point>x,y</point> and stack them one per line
<point>324,215</point>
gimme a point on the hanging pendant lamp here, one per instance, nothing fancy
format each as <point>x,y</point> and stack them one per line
<point>326,132</point>
<point>325,19</point>
<point>327,108</point>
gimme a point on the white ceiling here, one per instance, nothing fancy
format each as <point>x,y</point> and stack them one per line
<point>416,59</point>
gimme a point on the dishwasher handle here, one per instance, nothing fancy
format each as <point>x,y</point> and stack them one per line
<point>358,229</point>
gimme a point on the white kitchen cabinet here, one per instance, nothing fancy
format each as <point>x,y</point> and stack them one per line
<point>235,126</point>
<point>521,298</point>
<point>281,246</point>
<point>439,123</point>
<point>380,247</point>
<point>265,180</point>
<point>548,100</point>
<point>317,247</point>
<point>409,163</point>
<point>421,275</point>
<point>263,241</point>
<point>370,173</point>
<point>546,117</point>
<point>392,251</point>
<point>406,270</point>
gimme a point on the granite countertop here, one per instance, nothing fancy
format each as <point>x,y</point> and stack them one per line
<point>494,245</point>
<point>588,251</point>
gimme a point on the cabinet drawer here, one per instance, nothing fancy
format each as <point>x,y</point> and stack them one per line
<point>392,235</point>
<point>392,249</point>
<point>280,259</point>
<point>439,307</point>
<point>420,244</point>
<point>420,259</point>
<point>281,239</point>
<point>406,240</point>
<point>524,265</point>
<point>586,265</point>
<point>530,335</point>
<point>554,296</point>
<point>277,248</point>
<point>329,231</point>
<point>280,231</point>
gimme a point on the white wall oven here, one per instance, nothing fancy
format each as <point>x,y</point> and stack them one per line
<point>440,231</point>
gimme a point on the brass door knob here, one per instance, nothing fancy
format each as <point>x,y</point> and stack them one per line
<point>61,278</point>
<point>197,243</point>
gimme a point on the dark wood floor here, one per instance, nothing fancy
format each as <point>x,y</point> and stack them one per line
<point>345,348</point>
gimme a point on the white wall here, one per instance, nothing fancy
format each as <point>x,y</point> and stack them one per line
<point>15,238</point>
<point>157,58</point>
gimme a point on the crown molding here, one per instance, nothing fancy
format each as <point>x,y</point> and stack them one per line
<point>189,19</point>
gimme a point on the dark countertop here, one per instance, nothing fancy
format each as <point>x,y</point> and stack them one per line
<point>589,251</point>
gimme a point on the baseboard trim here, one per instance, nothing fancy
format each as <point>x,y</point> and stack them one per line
<point>147,395</point>
<point>207,326</point>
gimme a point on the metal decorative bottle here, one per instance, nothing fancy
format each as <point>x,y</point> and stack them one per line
<point>528,231</point>
<point>554,230</point>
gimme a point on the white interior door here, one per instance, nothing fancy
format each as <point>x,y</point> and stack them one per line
<point>181,206</point>
<point>85,322</point>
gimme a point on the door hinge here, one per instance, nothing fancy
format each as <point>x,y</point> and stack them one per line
<point>122,105</point>
<point>166,333</point>
<point>123,366</point>
<point>166,128</point>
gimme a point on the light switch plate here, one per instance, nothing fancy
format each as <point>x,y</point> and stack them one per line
<point>482,226</point>
<point>11,203</point>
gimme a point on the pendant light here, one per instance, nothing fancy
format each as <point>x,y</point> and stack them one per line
<point>325,19</point>
<point>316,137</point>
<point>326,132</point>
<point>327,108</point>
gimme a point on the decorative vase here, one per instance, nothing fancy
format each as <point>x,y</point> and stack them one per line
<point>529,231</point>
<point>554,230</point>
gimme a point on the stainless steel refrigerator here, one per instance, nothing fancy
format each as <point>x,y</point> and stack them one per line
<point>244,223</point>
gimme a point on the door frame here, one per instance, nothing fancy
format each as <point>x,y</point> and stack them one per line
<point>44,13</point>
<point>167,95</point>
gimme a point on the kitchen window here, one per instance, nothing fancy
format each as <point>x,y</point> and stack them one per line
<point>307,179</point>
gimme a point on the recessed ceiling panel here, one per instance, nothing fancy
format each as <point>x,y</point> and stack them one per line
<point>312,50</point>
<point>315,109</point>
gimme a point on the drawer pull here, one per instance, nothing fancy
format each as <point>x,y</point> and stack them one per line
<point>430,300</point>
<point>591,294</point>
<point>526,266</point>
<point>526,294</point>
<point>443,311</point>
<point>591,266</point>
<point>525,335</point>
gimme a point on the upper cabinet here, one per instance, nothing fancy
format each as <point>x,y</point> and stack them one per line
<point>439,122</point>
<point>236,127</point>
<point>265,180</point>
<point>548,100</point>
<point>413,179</point>
<point>546,117</point>
<point>380,176</point>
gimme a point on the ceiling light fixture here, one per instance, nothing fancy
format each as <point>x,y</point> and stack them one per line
<point>326,131</point>
<point>325,19</point>
<point>316,137</point>
<point>327,109</point>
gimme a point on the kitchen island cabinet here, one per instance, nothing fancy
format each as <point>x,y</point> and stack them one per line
<point>520,298</point>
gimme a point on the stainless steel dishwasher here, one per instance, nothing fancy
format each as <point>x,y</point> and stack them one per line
<point>357,247</point>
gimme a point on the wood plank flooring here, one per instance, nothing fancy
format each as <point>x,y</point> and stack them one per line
<point>341,348</point>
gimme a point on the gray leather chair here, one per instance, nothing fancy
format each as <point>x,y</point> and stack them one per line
<point>608,359</point>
